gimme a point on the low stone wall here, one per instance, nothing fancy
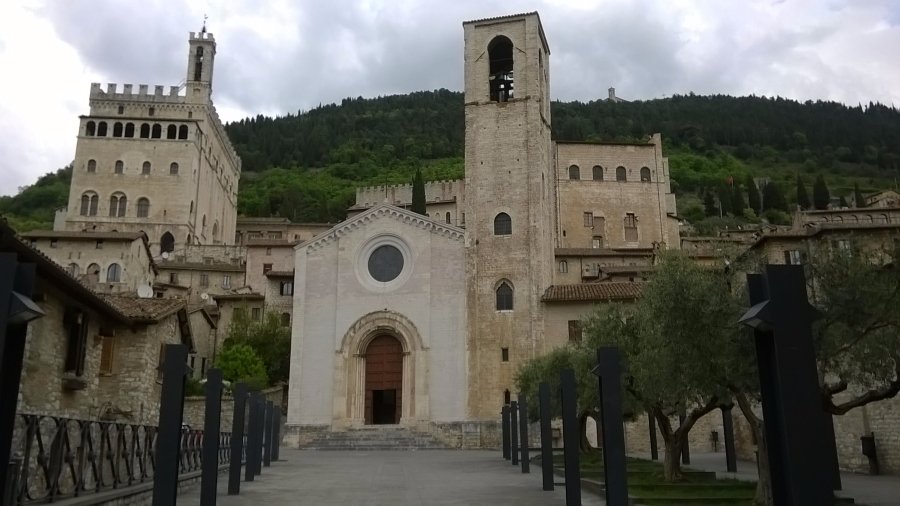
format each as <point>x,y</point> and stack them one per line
<point>195,408</point>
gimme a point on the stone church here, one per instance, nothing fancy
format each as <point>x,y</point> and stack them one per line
<point>422,321</point>
<point>396,317</point>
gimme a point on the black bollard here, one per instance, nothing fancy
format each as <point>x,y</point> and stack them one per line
<point>514,432</point>
<point>253,424</point>
<point>276,433</point>
<point>212,419</point>
<point>728,429</point>
<point>609,369</point>
<point>260,432</point>
<point>686,449</point>
<point>570,437</point>
<point>504,422</point>
<point>267,434</point>
<point>237,438</point>
<point>523,429</point>
<point>546,437</point>
<point>654,447</point>
<point>168,439</point>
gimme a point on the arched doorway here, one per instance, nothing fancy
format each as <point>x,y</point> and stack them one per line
<point>384,380</point>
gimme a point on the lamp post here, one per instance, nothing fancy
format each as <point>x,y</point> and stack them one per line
<point>16,310</point>
<point>781,318</point>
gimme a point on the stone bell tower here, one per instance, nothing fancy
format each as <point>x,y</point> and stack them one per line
<point>510,201</point>
<point>201,56</point>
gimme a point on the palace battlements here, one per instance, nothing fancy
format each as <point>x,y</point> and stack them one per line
<point>402,193</point>
<point>175,95</point>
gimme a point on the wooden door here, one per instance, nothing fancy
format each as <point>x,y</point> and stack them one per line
<point>384,375</point>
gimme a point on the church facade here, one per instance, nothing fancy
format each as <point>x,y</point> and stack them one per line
<point>423,320</point>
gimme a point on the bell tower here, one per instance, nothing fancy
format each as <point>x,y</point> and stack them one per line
<point>510,200</point>
<point>201,56</point>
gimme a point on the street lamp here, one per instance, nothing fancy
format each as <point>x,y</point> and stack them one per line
<point>758,317</point>
<point>22,309</point>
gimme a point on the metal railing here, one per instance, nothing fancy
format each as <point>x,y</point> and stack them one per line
<point>65,457</point>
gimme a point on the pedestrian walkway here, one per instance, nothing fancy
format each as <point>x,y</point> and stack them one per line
<point>429,477</point>
<point>864,489</point>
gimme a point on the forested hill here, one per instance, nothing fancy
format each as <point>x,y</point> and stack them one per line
<point>306,166</point>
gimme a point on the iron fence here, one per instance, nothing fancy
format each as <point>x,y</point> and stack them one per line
<point>66,457</point>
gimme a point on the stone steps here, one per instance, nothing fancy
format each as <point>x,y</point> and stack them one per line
<point>374,439</point>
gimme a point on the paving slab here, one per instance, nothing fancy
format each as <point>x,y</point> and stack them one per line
<point>396,478</point>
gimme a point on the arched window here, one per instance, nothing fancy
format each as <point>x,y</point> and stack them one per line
<point>504,297</point>
<point>597,173</point>
<point>92,165</point>
<point>868,219</point>
<point>173,170</point>
<point>73,270</point>
<point>93,273</point>
<point>90,129</point>
<point>447,217</point>
<point>198,64</point>
<point>89,201</point>
<point>117,204</point>
<point>183,132</point>
<point>192,207</point>
<point>156,132</point>
<point>113,273</point>
<point>117,129</point>
<point>171,132</point>
<point>563,266</point>
<point>630,225</point>
<point>500,79</point>
<point>145,168</point>
<point>143,207</point>
<point>215,231</point>
<point>502,224</point>
<point>129,130</point>
<point>285,319</point>
<point>645,174</point>
<point>101,129</point>
<point>838,219</point>
<point>167,243</point>
<point>203,225</point>
<point>145,131</point>
<point>574,172</point>
<point>119,167</point>
<point>621,174</point>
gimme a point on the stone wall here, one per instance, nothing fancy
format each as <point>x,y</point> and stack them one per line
<point>195,408</point>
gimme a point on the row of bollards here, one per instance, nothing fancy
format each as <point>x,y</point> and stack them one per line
<point>254,446</point>
<point>514,432</point>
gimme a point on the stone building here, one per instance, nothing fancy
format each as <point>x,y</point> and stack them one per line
<point>158,161</point>
<point>424,320</point>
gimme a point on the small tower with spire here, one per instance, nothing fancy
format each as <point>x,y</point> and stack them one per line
<point>201,57</point>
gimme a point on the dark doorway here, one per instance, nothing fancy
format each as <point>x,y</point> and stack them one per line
<point>384,380</point>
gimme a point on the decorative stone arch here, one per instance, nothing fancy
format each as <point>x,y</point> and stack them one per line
<point>350,373</point>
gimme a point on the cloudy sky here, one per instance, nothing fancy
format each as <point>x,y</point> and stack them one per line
<point>281,56</point>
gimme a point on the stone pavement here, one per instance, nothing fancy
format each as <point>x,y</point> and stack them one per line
<point>429,477</point>
<point>866,490</point>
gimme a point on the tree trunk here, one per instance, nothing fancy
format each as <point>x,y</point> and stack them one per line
<point>672,460</point>
<point>582,428</point>
<point>764,481</point>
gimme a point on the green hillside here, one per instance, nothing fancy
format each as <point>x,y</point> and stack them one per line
<point>305,166</point>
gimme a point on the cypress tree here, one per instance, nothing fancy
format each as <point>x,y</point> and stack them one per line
<point>802,196</point>
<point>821,196</point>
<point>858,196</point>
<point>753,197</point>
<point>773,198</point>
<point>709,205</point>
<point>418,194</point>
<point>725,200</point>
<point>737,200</point>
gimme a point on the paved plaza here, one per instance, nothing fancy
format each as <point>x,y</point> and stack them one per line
<point>429,477</point>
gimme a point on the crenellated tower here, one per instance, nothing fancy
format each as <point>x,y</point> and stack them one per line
<point>510,200</point>
<point>156,161</point>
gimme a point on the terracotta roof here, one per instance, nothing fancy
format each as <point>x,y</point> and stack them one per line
<point>280,274</point>
<point>593,292</point>
<point>61,279</point>
<point>203,308</point>
<point>145,310</point>
<point>627,268</point>
<point>602,252</point>
<point>201,266</point>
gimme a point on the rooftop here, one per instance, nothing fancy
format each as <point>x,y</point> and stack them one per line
<point>602,252</point>
<point>82,236</point>
<point>144,310</point>
<point>593,292</point>
<point>280,274</point>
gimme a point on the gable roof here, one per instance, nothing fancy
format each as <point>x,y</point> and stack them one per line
<point>145,310</point>
<point>607,291</point>
<point>379,211</point>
